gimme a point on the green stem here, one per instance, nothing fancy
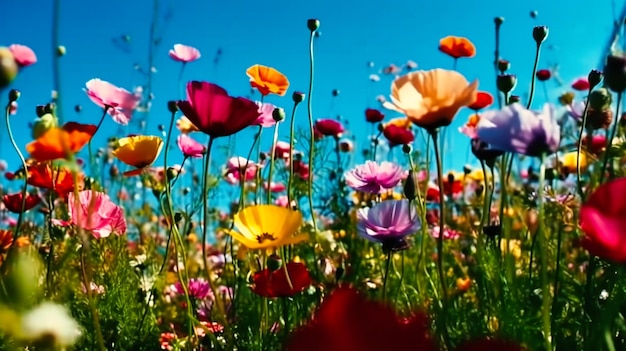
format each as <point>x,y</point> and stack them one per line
<point>495,61</point>
<point>312,137</point>
<point>609,142</point>
<point>579,184</point>
<point>56,58</point>
<point>205,210</point>
<point>20,216</point>
<point>533,78</point>
<point>543,249</point>
<point>243,173</point>
<point>386,274</point>
<point>291,149</point>
<point>272,158</point>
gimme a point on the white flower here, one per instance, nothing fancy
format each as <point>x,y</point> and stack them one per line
<point>52,322</point>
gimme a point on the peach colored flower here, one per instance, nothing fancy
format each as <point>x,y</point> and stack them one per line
<point>267,80</point>
<point>431,99</point>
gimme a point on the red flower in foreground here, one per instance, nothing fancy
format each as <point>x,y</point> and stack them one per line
<point>13,202</point>
<point>397,135</point>
<point>275,284</point>
<point>543,75</point>
<point>483,100</point>
<point>348,321</point>
<point>490,344</point>
<point>580,84</point>
<point>603,218</point>
<point>329,127</point>
<point>372,115</point>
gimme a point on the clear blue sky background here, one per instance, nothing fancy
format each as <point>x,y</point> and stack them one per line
<point>274,33</point>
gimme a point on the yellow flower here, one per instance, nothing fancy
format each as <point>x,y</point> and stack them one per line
<point>185,126</point>
<point>139,151</point>
<point>267,227</point>
<point>568,162</point>
<point>431,99</point>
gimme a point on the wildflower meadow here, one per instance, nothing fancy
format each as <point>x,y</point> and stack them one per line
<point>256,223</point>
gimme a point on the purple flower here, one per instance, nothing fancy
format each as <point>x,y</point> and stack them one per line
<point>389,222</point>
<point>516,129</point>
<point>374,178</point>
<point>198,289</point>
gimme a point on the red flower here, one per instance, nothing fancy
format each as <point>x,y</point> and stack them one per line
<point>61,180</point>
<point>603,218</point>
<point>457,47</point>
<point>372,115</point>
<point>398,135</point>
<point>581,84</point>
<point>348,321</point>
<point>329,127</point>
<point>214,112</point>
<point>483,100</point>
<point>490,344</point>
<point>275,283</point>
<point>543,75</point>
<point>13,202</point>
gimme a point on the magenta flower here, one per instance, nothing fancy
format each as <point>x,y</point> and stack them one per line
<point>238,167</point>
<point>119,102</point>
<point>329,127</point>
<point>389,222</point>
<point>516,129</point>
<point>183,53</point>
<point>95,212</point>
<point>198,289</point>
<point>23,55</point>
<point>214,112</point>
<point>190,147</point>
<point>266,119</point>
<point>374,178</point>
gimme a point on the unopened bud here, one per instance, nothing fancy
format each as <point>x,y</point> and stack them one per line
<point>43,124</point>
<point>172,173</point>
<point>313,24</point>
<point>172,106</point>
<point>61,50</point>
<point>407,148</point>
<point>278,114</point>
<point>503,65</point>
<point>514,99</point>
<point>540,33</point>
<point>506,82</point>
<point>274,262</point>
<point>14,95</point>
<point>410,185</point>
<point>8,67</point>
<point>600,99</point>
<point>298,97</point>
<point>498,21</point>
<point>615,73</point>
<point>594,78</point>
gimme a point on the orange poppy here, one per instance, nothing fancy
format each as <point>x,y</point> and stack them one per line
<point>267,80</point>
<point>59,179</point>
<point>57,143</point>
<point>457,47</point>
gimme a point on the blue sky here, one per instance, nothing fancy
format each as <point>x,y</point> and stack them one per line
<point>274,33</point>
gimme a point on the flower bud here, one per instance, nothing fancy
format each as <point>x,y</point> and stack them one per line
<point>172,173</point>
<point>407,148</point>
<point>506,82</point>
<point>40,110</point>
<point>298,97</point>
<point>594,78</point>
<point>410,185</point>
<point>336,92</point>
<point>503,65</point>
<point>600,99</point>
<point>172,106</point>
<point>78,108</point>
<point>8,67</point>
<point>61,50</point>
<point>274,262</point>
<point>498,21</point>
<point>313,24</point>
<point>278,114</point>
<point>346,145</point>
<point>43,124</point>
<point>615,73</point>
<point>14,95</point>
<point>540,33</point>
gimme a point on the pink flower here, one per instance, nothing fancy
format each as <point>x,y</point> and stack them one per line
<point>23,55</point>
<point>275,187</point>
<point>448,234</point>
<point>282,150</point>
<point>329,127</point>
<point>266,119</point>
<point>119,101</point>
<point>236,167</point>
<point>374,178</point>
<point>95,212</point>
<point>184,53</point>
<point>190,147</point>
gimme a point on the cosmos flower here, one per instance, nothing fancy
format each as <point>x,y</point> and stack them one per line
<point>388,223</point>
<point>267,80</point>
<point>138,151</point>
<point>119,102</point>
<point>57,143</point>
<point>214,112</point>
<point>198,289</point>
<point>431,99</point>
<point>267,227</point>
<point>516,129</point>
<point>374,178</point>
<point>457,47</point>
<point>183,53</point>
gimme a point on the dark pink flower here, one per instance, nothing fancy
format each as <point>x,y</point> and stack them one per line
<point>581,84</point>
<point>23,55</point>
<point>329,127</point>
<point>373,115</point>
<point>190,147</point>
<point>214,112</point>
<point>184,53</point>
<point>119,101</point>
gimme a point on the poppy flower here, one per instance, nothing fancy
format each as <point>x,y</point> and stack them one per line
<point>267,80</point>
<point>274,187</point>
<point>453,184</point>
<point>329,127</point>
<point>301,169</point>
<point>282,150</point>
<point>543,75</point>
<point>372,115</point>
<point>119,102</point>
<point>267,227</point>
<point>238,167</point>
<point>214,112</point>
<point>388,223</point>
<point>346,320</point>
<point>516,129</point>
<point>581,84</point>
<point>59,179</point>
<point>57,143</point>
<point>23,55</point>
<point>138,151</point>
<point>457,47</point>
<point>190,147</point>
<point>13,202</point>
<point>374,178</point>
<point>431,99</point>
<point>569,160</point>
<point>398,135</point>
<point>95,212</point>
<point>268,283</point>
<point>266,117</point>
<point>183,53</point>
<point>184,125</point>
<point>6,240</point>
<point>602,219</point>
<point>483,100</point>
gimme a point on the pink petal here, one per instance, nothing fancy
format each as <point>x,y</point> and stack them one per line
<point>23,55</point>
<point>190,147</point>
<point>184,53</point>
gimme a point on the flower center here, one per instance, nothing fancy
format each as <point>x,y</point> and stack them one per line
<point>264,237</point>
